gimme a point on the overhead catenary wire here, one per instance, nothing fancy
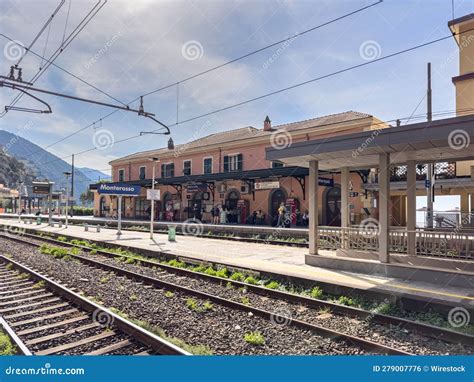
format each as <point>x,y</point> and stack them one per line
<point>82,24</point>
<point>209,70</point>
<point>353,67</point>
<point>38,35</point>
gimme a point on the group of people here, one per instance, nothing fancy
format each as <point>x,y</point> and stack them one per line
<point>256,218</point>
<point>284,218</point>
<point>219,215</point>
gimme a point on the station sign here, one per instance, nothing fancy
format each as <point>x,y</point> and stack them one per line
<point>153,194</point>
<point>42,188</point>
<point>267,185</point>
<point>119,189</point>
<point>196,187</point>
<point>326,182</point>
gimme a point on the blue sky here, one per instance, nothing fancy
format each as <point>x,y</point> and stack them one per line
<point>131,48</point>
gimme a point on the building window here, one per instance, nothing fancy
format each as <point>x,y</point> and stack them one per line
<point>277,164</point>
<point>233,163</point>
<point>208,166</point>
<point>142,173</point>
<point>121,175</point>
<point>167,170</point>
<point>187,167</point>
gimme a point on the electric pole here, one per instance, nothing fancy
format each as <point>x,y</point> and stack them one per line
<point>430,167</point>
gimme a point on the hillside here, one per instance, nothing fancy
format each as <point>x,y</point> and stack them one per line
<point>13,171</point>
<point>41,163</point>
<point>93,174</point>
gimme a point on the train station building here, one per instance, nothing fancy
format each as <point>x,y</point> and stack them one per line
<point>247,173</point>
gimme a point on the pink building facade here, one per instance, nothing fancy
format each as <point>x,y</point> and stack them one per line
<point>228,170</point>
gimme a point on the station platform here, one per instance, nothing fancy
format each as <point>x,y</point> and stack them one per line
<point>279,260</point>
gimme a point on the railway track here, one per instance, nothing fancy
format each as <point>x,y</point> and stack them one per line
<point>271,317</point>
<point>400,324</point>
<point>42,317</point>
<point>435,332</point>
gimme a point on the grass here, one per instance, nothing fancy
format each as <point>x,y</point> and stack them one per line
<point>272,285</point>
<point>355,301</point>
<point>194,305</point>
<point>39,285</point>
<point>254,338</point>
<point>104,279</point>
<point>245,300</point>
<point>9,266</point>
<point>251,280</point>
<point>237,276</point>
<point>133,297</point>
<point>169,294</point>
<point>6,346</point>
<point>316,292</point>
<point>193,349</point>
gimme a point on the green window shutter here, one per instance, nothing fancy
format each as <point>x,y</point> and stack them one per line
<point>226,163</point>
<point>240,165</point>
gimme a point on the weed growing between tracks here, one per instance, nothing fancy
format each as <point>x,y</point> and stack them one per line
<point>6,346</point>
<point>130,257</point>
<point>193,349</point>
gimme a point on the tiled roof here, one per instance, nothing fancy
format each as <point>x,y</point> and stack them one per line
<point>251,132</point>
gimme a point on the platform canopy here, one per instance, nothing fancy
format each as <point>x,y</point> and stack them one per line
<point>440,140</point>
<point>436,141</point>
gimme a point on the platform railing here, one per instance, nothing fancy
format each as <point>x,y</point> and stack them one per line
<point>437,243</point>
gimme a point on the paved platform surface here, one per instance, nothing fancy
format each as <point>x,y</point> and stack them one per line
<point>284,260</point>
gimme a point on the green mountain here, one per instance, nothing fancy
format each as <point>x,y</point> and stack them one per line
<point>37,164</point>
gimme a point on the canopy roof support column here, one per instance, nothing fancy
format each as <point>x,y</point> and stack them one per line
<point>384,206</point>
<point>411,207</point>
<point>313,207</point>
<point>345,179</point>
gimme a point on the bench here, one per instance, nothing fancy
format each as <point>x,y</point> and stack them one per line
<point>86,227</point>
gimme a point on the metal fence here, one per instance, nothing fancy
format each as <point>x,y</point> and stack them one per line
<point>457,244</point>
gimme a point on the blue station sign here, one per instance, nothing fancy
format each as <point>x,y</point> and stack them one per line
<point>326,182</point>
<point>119,189</point>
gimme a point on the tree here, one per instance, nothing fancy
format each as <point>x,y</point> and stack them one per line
<point>87,197</point>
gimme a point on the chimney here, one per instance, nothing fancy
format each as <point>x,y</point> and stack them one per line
<point>463,31</point>
<point>267,124</point>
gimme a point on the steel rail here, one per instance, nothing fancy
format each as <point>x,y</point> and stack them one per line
<point>432,331</point>
<point>146,338</point>
<point>269,316</point>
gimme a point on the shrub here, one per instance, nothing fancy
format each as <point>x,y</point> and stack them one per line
<point>223,272</point>
<point>273,285</point>
<point>237,276</point>
<point>316,292</point>
<point>251,280</point>
<point>254,338</point>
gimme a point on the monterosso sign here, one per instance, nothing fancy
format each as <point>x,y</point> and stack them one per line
<point>119,189</point>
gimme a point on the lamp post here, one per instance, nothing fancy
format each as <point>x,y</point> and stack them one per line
<point>152,214</point>
<point>20,189</point>
<point>67,173</point>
